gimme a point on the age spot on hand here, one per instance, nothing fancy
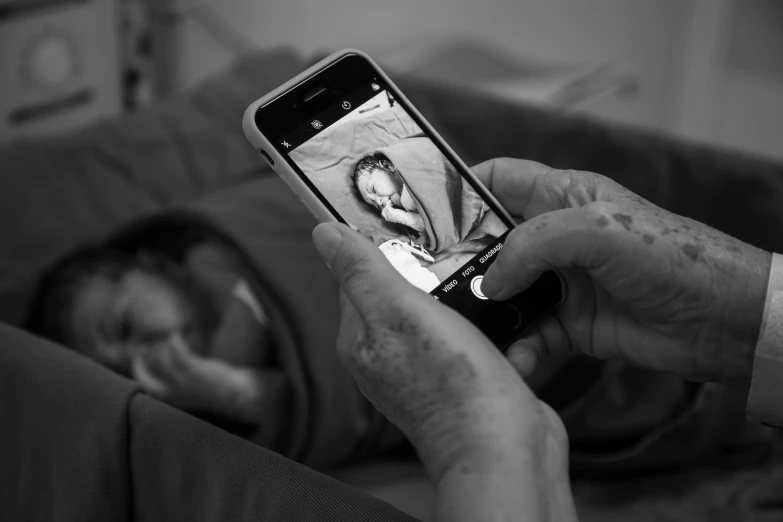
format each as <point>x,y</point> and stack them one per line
<point>648,238</point>
<point>692,251</point>
<point>602,221</point>
<point>624,219</point>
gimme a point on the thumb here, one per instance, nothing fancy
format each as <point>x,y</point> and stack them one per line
<point>555,240</point>
<point>360,268</point>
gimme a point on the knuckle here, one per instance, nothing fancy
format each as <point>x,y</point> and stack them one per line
<point>578,188</point>
<point>601,209</point>
<point>584,177</point>
<point>504,163</point>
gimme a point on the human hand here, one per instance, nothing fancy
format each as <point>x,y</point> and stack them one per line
<point>651,287</point>
<point>477,427</point>
<point>402,217</point>
<point>171,372</point>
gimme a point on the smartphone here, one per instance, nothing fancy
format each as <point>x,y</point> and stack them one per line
<point>355,150</point>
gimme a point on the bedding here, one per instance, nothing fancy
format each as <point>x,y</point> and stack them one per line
<point>328,160</point>
<point>452,211</point>
<point>60,191</point>
<point>268,230</point>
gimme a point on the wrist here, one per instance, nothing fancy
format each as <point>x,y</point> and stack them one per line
<point>503,485</point>
<point>743,316</point>
<point>498,436</point>
<point>449,441</point>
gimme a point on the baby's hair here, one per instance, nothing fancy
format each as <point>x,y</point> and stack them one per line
<point>365,167</point>
<point>50,312</point>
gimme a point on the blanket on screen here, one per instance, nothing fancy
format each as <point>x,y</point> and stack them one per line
<point>329,158</point>
<point>452,211</point>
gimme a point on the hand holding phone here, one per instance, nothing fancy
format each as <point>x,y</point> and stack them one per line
<point>437,378</point>
<point>354,150</point>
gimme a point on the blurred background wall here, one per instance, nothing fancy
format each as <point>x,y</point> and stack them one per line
<point>710,70</point>
<point>643,34</point>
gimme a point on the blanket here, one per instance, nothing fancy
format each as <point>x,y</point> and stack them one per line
<point>269,230</point>
<point>452,211</point>
<point>78,442</point>
<point>329,158</point>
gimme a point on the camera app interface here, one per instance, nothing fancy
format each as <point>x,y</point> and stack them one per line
<point>370,160</point>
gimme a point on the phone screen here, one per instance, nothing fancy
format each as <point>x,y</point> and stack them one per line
<point>370,162</point>
<point>385,177</point>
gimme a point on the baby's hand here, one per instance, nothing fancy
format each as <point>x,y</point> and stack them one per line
<point>402,217</point>
<point>171,372</point>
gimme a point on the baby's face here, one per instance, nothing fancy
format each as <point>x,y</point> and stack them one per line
<point>379,187</point>
<point>111,320</point>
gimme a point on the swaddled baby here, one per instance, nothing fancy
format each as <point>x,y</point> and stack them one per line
<point>380,186</point>
<point>156,322</point>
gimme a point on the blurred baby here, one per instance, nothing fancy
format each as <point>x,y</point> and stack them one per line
<point>152,320</point>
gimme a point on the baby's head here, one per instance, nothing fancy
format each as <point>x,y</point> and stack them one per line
<point>103,303</point>
<point>377,182</point>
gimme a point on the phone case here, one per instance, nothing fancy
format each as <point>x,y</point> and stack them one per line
<point>292,179</point>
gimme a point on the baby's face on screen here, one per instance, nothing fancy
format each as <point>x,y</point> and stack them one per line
<point>379,186</point>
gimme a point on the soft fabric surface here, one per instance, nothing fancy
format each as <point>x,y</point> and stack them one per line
<point>269,230</point>
<point>329,158</point>
<point>55,193</point>
<point>451,209</point>
<point>80,443</point>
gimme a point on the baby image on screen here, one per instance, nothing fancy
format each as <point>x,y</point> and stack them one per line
<point>379,185</point>
<point>390,181</point>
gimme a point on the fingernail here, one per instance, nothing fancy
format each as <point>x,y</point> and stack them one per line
<point>492,284</point>
<point>327,238</point>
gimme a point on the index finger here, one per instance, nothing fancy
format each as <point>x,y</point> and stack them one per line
<point>524,188</point>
